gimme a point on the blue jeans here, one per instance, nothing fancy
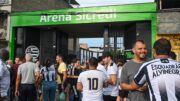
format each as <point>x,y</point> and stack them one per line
<point>49,90</point>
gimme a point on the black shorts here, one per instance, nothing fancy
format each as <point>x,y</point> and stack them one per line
<point>109,98</point>
<point>123,93</point>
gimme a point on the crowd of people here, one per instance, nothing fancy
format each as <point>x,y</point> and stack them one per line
<point>100,79</point>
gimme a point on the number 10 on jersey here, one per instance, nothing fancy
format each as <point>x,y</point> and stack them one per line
<point>93,83</point>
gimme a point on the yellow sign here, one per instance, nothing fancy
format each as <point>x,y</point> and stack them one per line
<point>175,42</point>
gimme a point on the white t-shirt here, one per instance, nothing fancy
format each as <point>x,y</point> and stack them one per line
<point>163,78</point>
<point>92,81</point>
<point>101,68</point>
<point>111,90</point>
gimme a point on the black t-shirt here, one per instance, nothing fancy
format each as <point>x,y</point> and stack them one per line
<point>74,72</point>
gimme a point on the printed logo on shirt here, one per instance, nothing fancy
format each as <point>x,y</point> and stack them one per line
<point>165,69</point>
<point>164,60</point>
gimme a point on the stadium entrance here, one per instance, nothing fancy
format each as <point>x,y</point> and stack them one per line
<point>46,33</point>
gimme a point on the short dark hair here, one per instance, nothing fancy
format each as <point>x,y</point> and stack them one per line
<point>138,40</point>
<point>4,54</point>
<point>172,55</point>
<point>93,62</point>
<point>162,46</point>
<point>75,60</point>
<point>21,58</point>
<point>107,54</point>
<point>100,59</point>
<point>61,56</point>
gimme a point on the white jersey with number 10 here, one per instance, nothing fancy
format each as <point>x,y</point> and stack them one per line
<point>92,81</point>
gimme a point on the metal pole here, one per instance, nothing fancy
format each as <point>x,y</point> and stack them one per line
<point>106,39</point>
<point>74,44</point>
<point>115,42</point>
<point>115,46</point>
<point>160,4</point>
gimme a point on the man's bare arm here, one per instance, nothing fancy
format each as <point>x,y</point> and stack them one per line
<point>72,76</point>
<point>79,86</point>
<point>127,87</point>
<point>18,79</point>
<point>37,76</point>
<point>64,77</point>
<point>113,79</point>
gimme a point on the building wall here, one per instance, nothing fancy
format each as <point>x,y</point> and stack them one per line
<point>138,30</point>
<point>5,9</point>
<point>130,36</point>
<point>168,23</point>
<point>144,32</point>
<point>73,45</point>
<point>70,46</point>
<point>33,5</point>
<point>175,43</point>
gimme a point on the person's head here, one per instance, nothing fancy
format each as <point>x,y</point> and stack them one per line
<point>28,57</point>
<point>139,50</point>
<point>38,64</point>
<point>107,58</point>
<point>100,60</point>
<point>47,62</point>
<point>161,47</point>
<point>59,58</point>
<point>21,60</point>
<point>73,61</point>
<point>172,55</point>
<point>77,63</point>
<point>93,62</point>
<point>17,60</point>
<point>121,62</point>
<point>86,65</point>
<point>4,54</point>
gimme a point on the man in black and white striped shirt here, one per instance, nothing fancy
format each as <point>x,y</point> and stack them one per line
<point>161,74</point>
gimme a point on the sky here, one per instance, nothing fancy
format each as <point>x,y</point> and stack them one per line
<point>98,42</point>
<point>86,3</point>
<point>92,42</point>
